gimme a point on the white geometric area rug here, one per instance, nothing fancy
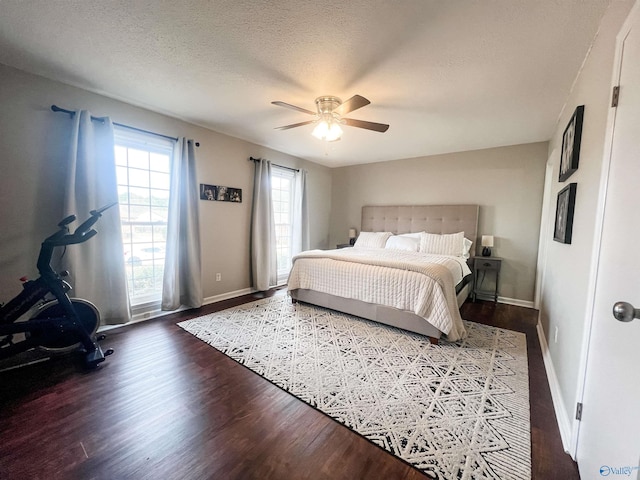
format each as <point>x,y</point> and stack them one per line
<point>454,411</point>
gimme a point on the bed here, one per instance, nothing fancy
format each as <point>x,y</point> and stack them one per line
<point>390,287</point>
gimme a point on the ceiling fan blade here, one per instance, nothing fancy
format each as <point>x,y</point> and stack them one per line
<point>377,127</point>
<point>294,125</point>
<point>352,104</point>
<point>293,107</point>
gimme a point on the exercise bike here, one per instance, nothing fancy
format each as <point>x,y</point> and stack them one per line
<point>57,324</point>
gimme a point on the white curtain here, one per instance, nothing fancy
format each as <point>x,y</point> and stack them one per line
<point>300,214</point>
<point>96,266</point>
<point>182,281</point>
<point>264,272</point>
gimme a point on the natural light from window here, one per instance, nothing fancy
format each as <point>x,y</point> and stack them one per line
<point>282,184</point>
<point>143,165</point>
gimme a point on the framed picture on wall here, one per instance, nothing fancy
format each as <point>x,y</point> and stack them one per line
<point>564,213</point>
<point>208,192</point>
<point>570,155</point>
<point>220,193</point>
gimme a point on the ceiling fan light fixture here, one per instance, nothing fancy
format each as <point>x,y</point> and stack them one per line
<point>327,130</point>
<point>330,116</point>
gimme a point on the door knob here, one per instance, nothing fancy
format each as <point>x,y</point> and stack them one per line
<point>625,312</point>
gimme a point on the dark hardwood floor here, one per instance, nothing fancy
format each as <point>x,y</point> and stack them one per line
<point>168,406</point>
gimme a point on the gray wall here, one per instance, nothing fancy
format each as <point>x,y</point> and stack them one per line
<point>33,146</point>
<point>565,288</point>
<point>506,182</point>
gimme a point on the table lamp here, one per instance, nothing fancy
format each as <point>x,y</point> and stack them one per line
<point>352,236</point>
<point>487,243</point>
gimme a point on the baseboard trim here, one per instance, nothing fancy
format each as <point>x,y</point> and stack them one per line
<point>143,316</point>
<point>564,421</point>
<point>228,295</point>
<point>516,302</point>
<point>508,301</point>
<point>155,312</point>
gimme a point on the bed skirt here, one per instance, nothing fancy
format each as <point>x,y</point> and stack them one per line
<point>378,313</point>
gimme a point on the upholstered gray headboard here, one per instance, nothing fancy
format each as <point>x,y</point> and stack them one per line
<point>418,218</point>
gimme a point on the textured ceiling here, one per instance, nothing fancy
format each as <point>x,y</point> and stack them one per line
<point>447,76</point>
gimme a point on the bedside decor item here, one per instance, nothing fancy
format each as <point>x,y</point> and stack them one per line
<point>564,213</point>
<point>487,243</point>
<point>352,236</point>
<point>482,266</point>
<point>570,154</point>
<point>220,193</point>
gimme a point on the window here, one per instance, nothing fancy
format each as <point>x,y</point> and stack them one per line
<point>143,165</point>
<point>282,188</point>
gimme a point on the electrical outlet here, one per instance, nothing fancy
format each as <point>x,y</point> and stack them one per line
<point>555,335</point>
<point>218,277</point>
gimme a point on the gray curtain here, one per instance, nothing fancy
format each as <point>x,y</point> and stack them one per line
<point>264,272</point>
<point>182,281</point>
<point>300,214</point>
<point>96,266</point>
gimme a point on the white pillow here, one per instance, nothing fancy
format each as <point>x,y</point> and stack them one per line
<point>448,244</point>
<point>403,242</point>
<point>372,239</point>
<point>466,247</point>
<point>417,235</point>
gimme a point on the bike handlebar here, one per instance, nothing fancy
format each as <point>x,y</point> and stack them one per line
<point>81,234</point>
<point>85,226</point>
<point>67,220</point>
<point>62,238</point>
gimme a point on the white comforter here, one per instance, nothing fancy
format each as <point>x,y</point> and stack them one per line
<point>416,282</point>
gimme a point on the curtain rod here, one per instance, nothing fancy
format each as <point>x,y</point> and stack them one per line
<point>56,108</point>
<point>275,165</point>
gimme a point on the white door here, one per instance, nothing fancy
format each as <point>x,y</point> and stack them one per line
<point>609,435</point>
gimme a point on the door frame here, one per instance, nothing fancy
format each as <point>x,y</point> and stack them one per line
<point>599,225</point>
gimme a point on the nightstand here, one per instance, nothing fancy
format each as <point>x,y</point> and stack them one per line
<point>482,266</point>
<point>344,245</point>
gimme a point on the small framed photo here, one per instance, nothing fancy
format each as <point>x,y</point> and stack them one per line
<point>235,195</point>
<point>208,192</point>
<point>570,155</point>
<point>564,213</point>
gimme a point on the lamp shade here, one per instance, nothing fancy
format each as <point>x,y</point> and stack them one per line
<point>487,241</point>
<point>352,233</point>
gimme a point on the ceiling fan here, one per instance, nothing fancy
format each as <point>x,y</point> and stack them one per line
<point>328,117</point>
